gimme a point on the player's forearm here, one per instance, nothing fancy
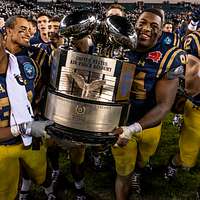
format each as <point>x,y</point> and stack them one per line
<point>151,119</point>
<point>165,95</point>
<point>154,116</point>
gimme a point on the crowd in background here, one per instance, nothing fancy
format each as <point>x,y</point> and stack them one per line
<point>175,13</point>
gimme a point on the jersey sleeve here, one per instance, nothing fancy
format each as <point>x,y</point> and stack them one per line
<point>172,59</point>
<point>191,44</point>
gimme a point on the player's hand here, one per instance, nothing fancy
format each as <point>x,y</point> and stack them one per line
<point>125,133</point>
<point>38,128</point>
<point>122,141</point>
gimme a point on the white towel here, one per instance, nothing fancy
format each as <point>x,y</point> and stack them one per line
<point>21,110</point>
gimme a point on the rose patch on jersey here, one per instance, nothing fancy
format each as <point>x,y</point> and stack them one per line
<point>155,56</point>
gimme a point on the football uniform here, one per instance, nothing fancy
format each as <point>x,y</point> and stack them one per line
<point>150,68</point>
<point>47,47</point>
<point>40,58</point>
<point>189,142</point>
<point>36,39</point>
<point>12,151</point>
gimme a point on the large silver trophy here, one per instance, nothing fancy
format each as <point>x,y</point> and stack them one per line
<point>89,94</point>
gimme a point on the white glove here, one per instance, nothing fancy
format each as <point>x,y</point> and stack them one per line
<point>132,130</point>
<point>34,128</point>
<point>38,128</point>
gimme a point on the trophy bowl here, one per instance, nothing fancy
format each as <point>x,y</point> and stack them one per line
<point>121,32</point>
<point>78,24</point>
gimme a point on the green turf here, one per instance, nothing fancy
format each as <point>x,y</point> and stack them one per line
<point>100,184</point>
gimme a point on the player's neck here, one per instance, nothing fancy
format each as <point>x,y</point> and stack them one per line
<point>13,48</point>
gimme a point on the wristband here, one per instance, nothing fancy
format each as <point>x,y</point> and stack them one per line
<point>129,131</point>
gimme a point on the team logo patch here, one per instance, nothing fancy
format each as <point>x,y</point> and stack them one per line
<point>29,70</point>
<point>168,40</point>
<point>155,56</point>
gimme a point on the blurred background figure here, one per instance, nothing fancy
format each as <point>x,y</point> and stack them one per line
<point>168,27</point>
<point>41,36</point>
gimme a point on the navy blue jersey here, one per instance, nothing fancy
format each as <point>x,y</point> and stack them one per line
<point>29,74</point>
<point>40,58</point>
<point>36,39</point>
<point>47,47</point>
<point>151,67</point>
<point>170,39</point>
<point>192,44</point>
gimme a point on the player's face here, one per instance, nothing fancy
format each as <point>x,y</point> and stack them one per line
<point>148,28</point>
<point>42,23</point>
<point>53,30</point>
<point>168,28</point>
<point>32,28</point>
<point>20,33</point>
<point>115,11</point>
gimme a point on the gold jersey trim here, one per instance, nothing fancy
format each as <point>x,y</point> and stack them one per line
<point>4,123</point>
<point>4,102</point>
<point>164,60</point>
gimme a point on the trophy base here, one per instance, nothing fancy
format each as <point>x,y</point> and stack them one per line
<point>89,138</point>
<point>84,114</point>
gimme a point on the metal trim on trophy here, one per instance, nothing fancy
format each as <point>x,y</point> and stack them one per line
<point>89,94</point>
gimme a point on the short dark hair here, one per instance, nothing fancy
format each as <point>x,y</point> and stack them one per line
<point>33,21</point>
<point>157,12</point>
<point>55,19</point>
<point>168,22</point>
<point>43,14</point>
<point>117,6</point>
<point>10,22</point>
